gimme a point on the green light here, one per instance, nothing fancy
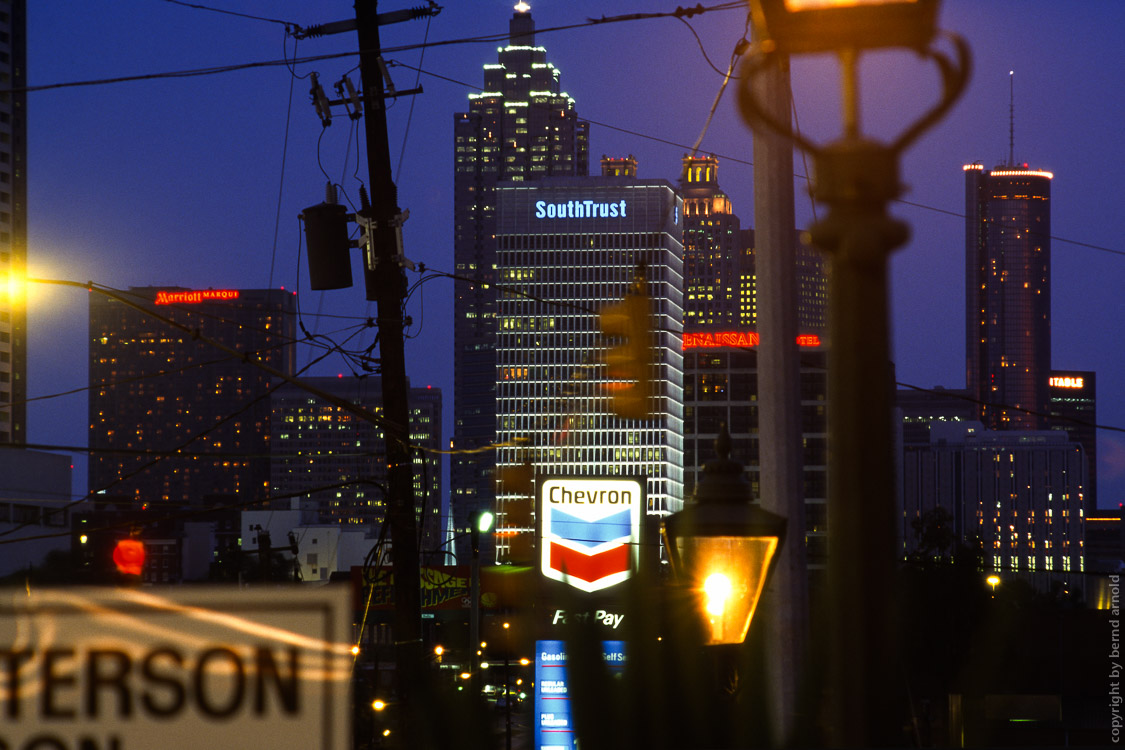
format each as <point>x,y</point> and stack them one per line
<point>484,521</point>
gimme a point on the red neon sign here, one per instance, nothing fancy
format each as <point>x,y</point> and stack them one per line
<point>742,339</point>
<point>195,296</point>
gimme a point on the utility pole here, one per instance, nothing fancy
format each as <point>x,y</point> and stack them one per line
<point>386,284</point>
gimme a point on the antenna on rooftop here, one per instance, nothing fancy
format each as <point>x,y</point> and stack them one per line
<point>1011,118</point>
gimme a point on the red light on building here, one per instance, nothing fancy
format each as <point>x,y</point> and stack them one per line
<point>739,339</point>
<point>195,296</point>
<point>129,556</point>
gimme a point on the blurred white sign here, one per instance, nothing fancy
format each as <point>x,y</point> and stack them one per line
<point>169,668</point>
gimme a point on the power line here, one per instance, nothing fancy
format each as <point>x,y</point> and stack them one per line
<point>195,6</point>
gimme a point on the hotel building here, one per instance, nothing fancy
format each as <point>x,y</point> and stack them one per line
<point>174,419</point>
<point>1008,293</point>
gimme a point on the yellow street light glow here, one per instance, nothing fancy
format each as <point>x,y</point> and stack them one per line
<point>465,675</point>
<point>355,650</point>
<point>507,625</point>
<point>378,705</point>
<point>993,581</point>
<point>717,588</point>
<point>484,665</point>
<point>83,539</point>
<point>525,661</point>
<point>439,650</point>
<point>386,733</point>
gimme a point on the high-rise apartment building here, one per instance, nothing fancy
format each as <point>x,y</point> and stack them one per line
<point>335,461</point>
<point>521,127</point>
<point>1008,293</point>
<point>567,248</point>
<point>13,220</point>
<point>174,419</point>
<point>1074,410</point>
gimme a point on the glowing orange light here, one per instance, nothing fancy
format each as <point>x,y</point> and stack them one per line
<point>129,556</point>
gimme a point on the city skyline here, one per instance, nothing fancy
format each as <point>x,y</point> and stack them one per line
<point>164,181</point>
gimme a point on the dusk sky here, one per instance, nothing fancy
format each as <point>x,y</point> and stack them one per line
<point>197,181</point>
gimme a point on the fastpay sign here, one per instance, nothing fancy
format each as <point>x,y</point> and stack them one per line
<point>591,530</point>
<point>136,669</point>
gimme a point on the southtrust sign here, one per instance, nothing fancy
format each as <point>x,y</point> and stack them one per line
<point>579,210</point>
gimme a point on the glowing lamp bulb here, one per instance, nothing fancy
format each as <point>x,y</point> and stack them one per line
<point>717,587</point>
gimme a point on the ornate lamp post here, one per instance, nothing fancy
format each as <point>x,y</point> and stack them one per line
<point>722,547</point>
<point>856,177</point>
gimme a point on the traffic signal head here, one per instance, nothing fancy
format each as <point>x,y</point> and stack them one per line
<point>631,360</point>
<point>129,556</point>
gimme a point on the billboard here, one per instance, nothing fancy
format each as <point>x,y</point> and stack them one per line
<point>554,727</point>
<point>590,529</point>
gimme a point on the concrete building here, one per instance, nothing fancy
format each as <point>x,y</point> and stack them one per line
<point>568,247</point>
<point>522,126</point>
<point>35,507</point>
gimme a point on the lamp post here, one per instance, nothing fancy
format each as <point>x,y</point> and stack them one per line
<point>856,177</point>
<point>722,547</point>
<point>480,522</point>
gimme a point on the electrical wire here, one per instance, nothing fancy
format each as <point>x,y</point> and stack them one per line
<point>195,6</point>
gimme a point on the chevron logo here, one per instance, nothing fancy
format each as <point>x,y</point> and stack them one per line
<point>591,530</point>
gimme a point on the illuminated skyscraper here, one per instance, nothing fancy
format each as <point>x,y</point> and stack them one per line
<point>13,220</point>
<point>1008,293</point>
<point>174,419</point>
<point>521,127</point>
<point>568,247</point>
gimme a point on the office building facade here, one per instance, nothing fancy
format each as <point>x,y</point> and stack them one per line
<point>1008,293</point>
<point>1074,410</point>
<point>567,248</point>
<point>522,126</point>
<point>334,462</point>
<point>13,220</point>
<point>174,419</point>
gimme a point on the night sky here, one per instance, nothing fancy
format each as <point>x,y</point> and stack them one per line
<point>197,181</point>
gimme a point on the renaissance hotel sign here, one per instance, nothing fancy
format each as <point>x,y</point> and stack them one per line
<point>591,530</point>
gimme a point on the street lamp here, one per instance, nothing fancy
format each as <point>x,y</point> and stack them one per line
<point>480,522</point>
<point>856,177</point>
<point>722,547</point>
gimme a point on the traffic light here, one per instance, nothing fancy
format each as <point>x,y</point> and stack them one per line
<point>631,360</point>
<point>129,557</point>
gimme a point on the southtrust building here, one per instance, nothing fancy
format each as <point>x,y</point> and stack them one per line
<point>566,248</point>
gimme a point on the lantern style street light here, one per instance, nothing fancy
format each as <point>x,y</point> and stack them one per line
<point>856,177</point>
<point>722,547</point>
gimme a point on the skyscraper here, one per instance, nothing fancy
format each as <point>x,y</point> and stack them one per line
<point>568,247</point>
<point>720,261</point>
<point>1008,293</point>
<point>521,127</point>
<point>174,419</point>
<point>13,220</point>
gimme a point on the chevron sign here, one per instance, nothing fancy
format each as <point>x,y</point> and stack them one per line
<point>591,530</point>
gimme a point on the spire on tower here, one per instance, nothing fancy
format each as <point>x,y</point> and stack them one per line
<point>1011,118</point>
